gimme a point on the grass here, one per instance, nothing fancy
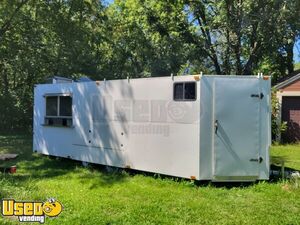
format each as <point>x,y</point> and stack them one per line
<point>93,196</point>
<point>290,154</point>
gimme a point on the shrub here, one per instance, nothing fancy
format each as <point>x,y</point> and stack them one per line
<point>278,127</point>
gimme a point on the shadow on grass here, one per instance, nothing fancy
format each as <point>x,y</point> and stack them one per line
<point>37,166</point>
<point>276,160</point>
<point>207,183</point>
<point>101,175</point>
<point>195,183</point>
<point>15,144</point>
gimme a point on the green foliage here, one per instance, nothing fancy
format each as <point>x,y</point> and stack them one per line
<point>278,127</point>
<point>144,38</point>
<point>40,39</point>
<point>136,38</point>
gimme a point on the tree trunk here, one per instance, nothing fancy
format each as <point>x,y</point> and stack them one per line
<point>227,67</point>
<point>290,57</point>
<point>217,66</point>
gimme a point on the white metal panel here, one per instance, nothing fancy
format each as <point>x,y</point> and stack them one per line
<point>163,135</point>
<point>125,123</point>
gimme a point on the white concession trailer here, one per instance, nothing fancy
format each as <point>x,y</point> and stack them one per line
<point>201,127</point>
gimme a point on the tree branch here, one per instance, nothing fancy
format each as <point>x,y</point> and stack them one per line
<point>7,24</point>
<point>253,55</point>
<point>201,19</point>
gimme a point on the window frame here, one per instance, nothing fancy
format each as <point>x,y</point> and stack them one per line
<point>184,99</point>
<point>58,116</point>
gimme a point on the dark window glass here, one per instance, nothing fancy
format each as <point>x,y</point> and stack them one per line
<point>51,106</point>
<point>58,115</point>
<point>65,106</point>
<point>178,91</point>
<point>185,91</point>
<point>190,91</point>
<point>61,122</point>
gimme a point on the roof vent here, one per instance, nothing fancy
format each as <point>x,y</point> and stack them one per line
<point>58,80</point>
<point>84,79</point>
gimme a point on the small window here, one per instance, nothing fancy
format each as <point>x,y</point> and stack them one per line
<point>51,106</point>
<point>178,91</point>
<point>185,91</point>
<point>58,111</point>
<point>65,108</point>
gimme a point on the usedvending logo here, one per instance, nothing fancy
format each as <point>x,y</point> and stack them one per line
<point>34,211</point>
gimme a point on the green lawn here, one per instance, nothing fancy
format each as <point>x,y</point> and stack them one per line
<point>91,196</point>
<point>290,154</point>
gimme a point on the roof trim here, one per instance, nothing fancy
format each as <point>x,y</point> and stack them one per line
<point>287,82</point>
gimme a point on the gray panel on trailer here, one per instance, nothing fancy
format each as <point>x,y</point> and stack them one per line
<point>236,116</point>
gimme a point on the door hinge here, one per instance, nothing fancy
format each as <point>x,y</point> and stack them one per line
<point>260,96</point>
<point>259,160</point>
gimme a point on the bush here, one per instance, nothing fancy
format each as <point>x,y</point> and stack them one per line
<point>15,116</point>
<point>278,127</point>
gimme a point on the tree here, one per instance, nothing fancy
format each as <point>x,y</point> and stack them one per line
<point>225,36</point>
<point>39,39</point>
<point>144,39</point>
<point>137,38</point>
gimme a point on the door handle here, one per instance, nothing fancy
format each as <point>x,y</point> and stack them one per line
<point>216,126</point>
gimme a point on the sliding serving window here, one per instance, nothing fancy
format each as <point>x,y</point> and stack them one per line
<point>58,110</point>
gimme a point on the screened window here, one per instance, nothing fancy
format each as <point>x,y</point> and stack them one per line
<point>185,91</point>
<point>58,111</point>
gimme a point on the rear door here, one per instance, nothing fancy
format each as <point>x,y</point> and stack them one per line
<point>236,128</point>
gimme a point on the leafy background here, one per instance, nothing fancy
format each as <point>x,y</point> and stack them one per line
<point>138,38</point>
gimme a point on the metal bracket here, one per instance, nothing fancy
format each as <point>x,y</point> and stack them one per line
<point>260,96</point>
<point>259,160</point>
